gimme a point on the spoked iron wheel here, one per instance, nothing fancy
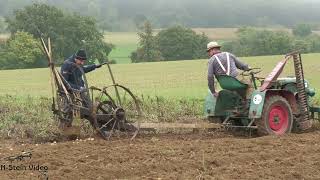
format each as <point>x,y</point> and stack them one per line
<point>276,118</point>
<point>117,112</point>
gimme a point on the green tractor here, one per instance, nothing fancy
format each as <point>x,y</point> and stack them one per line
<point>277,106</point>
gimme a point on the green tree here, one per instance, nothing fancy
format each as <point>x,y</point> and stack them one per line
<point>179,43</point>
<point>21,51</point>
<point>67,31</point>
<point>302,30</point>
<point>147,50</point>
<point>302,45</point>
<point>252,42</point>
<point>3,25</point>
<point>314,43</point>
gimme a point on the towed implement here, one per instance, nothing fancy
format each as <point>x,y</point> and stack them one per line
<point>277,106</point>
<point>111,109</point>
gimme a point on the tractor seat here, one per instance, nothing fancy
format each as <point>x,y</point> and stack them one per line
<point>230,83</point>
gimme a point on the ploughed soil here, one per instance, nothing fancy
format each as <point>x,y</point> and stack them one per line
<point>216,155</point>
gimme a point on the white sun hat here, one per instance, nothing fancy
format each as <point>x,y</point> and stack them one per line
<point>212,44</point>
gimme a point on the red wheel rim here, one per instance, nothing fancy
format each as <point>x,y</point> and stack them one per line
<point>278,119</point>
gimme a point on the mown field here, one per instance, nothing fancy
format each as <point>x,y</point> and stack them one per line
<point>185,79</point>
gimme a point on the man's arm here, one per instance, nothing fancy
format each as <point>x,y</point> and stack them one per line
<point>89,68</point>
<point>211,85</point>
<point>211,76</point>
<point>239,64</point>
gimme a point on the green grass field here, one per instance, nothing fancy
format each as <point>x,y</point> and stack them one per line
<point>170,79</point>
<point>125,43</point>
<point>182,79</point>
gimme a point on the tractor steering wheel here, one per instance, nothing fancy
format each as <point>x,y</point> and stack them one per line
<point>251,71</point>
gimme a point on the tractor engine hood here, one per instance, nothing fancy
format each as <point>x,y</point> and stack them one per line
<point>290,79</point>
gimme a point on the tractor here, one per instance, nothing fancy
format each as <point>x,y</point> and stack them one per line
<point>271,105</point>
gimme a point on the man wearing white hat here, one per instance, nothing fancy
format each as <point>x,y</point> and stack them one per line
<point>221,63</point>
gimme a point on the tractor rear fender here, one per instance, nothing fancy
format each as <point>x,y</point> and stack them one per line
<point>289,96</point>
<point>258,99</point>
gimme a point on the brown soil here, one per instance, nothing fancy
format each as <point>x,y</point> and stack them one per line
<point>172,156</point>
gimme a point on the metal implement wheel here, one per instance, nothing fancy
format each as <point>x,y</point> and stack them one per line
<point>117,112</point>
<point>277,118</point>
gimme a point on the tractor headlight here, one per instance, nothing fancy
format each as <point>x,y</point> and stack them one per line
<point>310,92</point>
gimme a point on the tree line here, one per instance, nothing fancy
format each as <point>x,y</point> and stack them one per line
<point>256,42</point>
<point>181,43</point>
<point>126,15</point>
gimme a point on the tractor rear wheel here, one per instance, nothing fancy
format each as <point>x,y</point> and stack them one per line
<point>277,117</point>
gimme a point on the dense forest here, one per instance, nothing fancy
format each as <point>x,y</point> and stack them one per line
<point>126,15</point>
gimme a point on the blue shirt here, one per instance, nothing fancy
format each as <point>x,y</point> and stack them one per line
<point>73,73</point>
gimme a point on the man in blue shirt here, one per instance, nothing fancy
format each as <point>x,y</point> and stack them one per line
<point>72,69</point>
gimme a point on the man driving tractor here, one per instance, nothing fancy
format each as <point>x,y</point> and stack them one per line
<point>221,63</point>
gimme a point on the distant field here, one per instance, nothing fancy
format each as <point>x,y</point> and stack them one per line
<point>218,33</point>
<point>316,32</point>
<point>168,79</point>
<point>4,37</point>
<point>125,43</point>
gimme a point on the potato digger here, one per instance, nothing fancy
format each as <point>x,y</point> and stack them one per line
<point>111,109</point>
<point>276,107</point>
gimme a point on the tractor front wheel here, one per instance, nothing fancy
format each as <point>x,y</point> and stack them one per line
<point>277,118</point>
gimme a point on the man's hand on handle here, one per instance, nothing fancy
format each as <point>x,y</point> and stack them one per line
<point>100,65</point>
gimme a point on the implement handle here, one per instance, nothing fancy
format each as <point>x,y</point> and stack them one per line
<point>104,63</point>
<point>113,81</point>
